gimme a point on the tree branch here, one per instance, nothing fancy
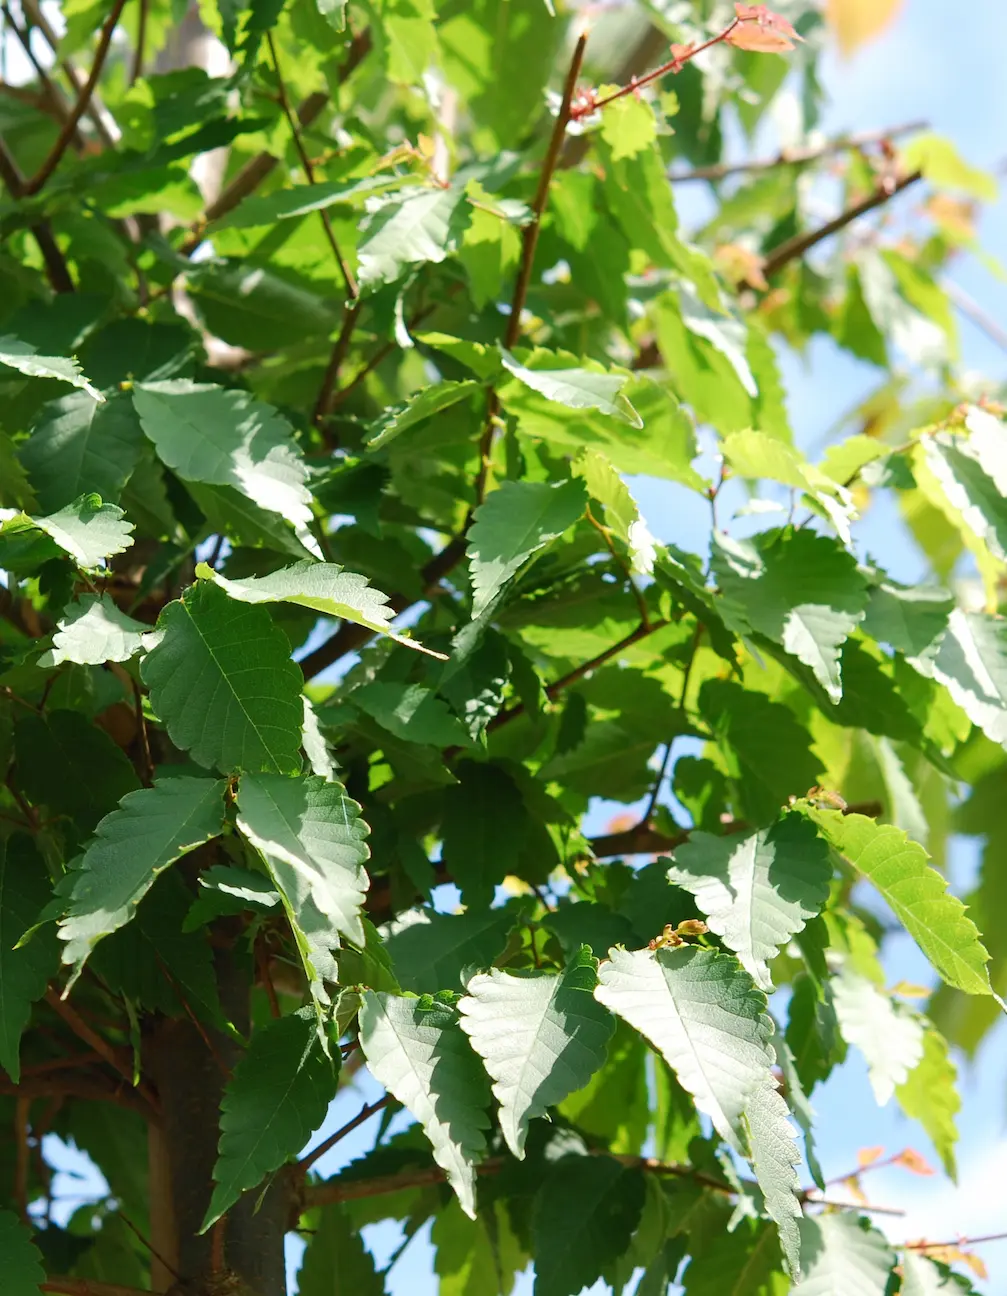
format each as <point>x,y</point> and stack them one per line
<point>33,14</point>
<point>57,271</point>
<point>80,107</point>
<point>87,1287</point>
<point>365,1114</point>
<point>91,1037</point>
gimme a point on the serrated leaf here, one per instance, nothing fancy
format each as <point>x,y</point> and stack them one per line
<point>797,1101</point>
<point>225,437</point>
<point>799,589</point>
<point>702,1013</point>
<point>78,445</point>
<point>316,749</point>
<point>224,889</point>
<point>15,489</point>
<point>916,893</point>
<point>745,1262</point>
<point>422,226</point>
<point>323,587</point>
<point>970,660</point>
<point>922,1276</point>
<point>423,405</point>
<point>26,971</point>
<point>152,828</point>
<point>276,1098</point>
<point>430,950</point>
<point>930,1095</point>
<point>222,682</point>
<point>585,1215</point>
<point>628,126</point>
<point>909,618</point>
<point>775,1158</point>
<point>887,1033</point>
<point>576,388</point>
<point>756,892</point>
<point>412,713</point>
<point>540,1036</point>
<point>88,530</point>
<point>336,1262</point>
<point>955,463</point>
<point>311,837</point>
<point>423,1058</point>
<point>842,1255</point>
<point>301,200</point>
<point>23,1272</point>
<point>22,356</point>
<point>622,514</point>
<point>475,1257</point>
<point>93,631</point>
<point>514,522</point>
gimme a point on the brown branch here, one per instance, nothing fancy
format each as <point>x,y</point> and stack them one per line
<point>136,71</point>
<point>795,248</point>
<point>141,725</point>
<point>60,1064</point>
<point>798,156</point>
<point>80,107</point>
<point>958,1242</point>
<point>57,271</point>
<point>91,1037</point>
<point>33,14</point>
<point>52,95</point>
<point>88,1090</point>
<point>339,350</point>
<point>365,1114</point>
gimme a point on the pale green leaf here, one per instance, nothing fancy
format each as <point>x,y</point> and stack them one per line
<point>316,749</point>
<point>842,1255</point>
<point>420,226</point>
<point>423,1058</point>
<point>514,522</point>
<point>909,618</point>
<point>970,660</point>
<point>702,1013</point>
<point>26,971</point>
<point>88,530</point>
<point>922,1276</point>
<point>628,126</point>
<point>222,683</point>
<point>23,357</point>
<point>79,445</point>
<point>941,164</point>
<point>586,388</point>
<point>540,1036</point>
<point>334,13</point>
<point>621,512</point>
<point>323,587</point>
<point>412,713</point>
<point>975,495</point>
<point>756,892</point>
<point>423,405</point>
<point>311,837</point>
<point>302,200</point>
<point>888,1035</point>
<point>276,1097</point>
<point>916,893</point>
<point>131,847</point>
<point>23,1272</point>
<point>930,1095</point>
<point>775,1158</point>
<point>93,631</point>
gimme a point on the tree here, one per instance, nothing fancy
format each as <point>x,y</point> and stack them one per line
<point>400,363</point>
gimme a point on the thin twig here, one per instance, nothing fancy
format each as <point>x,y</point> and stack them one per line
<point>56,268</point>
<point>89,1089</point>
<point>80,107</point>
<point>22,1112</point>
<point>84,1032</point>
<point>146,1243</point>
<point>262,962</point>
<point>365,1114</point>
<point>958,1242</point>
<point>617,558</point>
<point>32,10</point>
<point>136,71</point>
<point>141,725</point>
<point>54,97</point>
<point>339,350</point>
<point>972,311</point>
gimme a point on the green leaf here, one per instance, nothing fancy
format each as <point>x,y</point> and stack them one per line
<point>484,827</point>
<point>909,618</point>
<point>412,713</point>
<point>706,1019</point>
<point>586,388</point>
<point>916,893</point>
<point>799,589</point>
<point>311,837</point>
<point>423,405</point>
<point>811,1032</point>
<point>255,307</point>
<point>93,631</point>
<point>514,522</point>
<point>422,1057</point>
<point>430,951</point>
<point>628,126</point>
<point>152,828</point>
<point>78,445</point>
<point>585,1215</point>
<point>414,228</point>
<point>888,1034</point>
<point>842,1255</point>
<point>943,166</point>
<point>23,1272</point>
<point>540,1036</point>
<point>323,587</point>
<point>222,683</point>
<point>746,1262</point>
<point>225,437</point>
<point>88,530</point>
<point>15,488</point>
<point>24,972</point>
<point>971,662</point>
<point>336,1262</point>
<point>276,1098</point>
<point>622,514</point>
<point>922,1276</point>
<point>22,356</point>
<point>957,465</point>
<point>775,1158</point>
<point>475,1257</point>
<point>756,892</point>
<point>302,200</point>
<point>930,1095</point>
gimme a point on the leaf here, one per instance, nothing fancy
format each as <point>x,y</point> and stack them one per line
<point>412,713</point>
<point>484,826</point>
<point>152,828</point>
<point>922,1276</point>
<point>26,971</point>
<point>975,495</point>
<point>514,522</point>
<point>78,445</point>
<point>88,530</point>
<point>302,200</point>
<point>93,631</point>
<point>423,405</point>
<point>222,683</point>
<point>22,356</point>
<point>706,1019</point>
<point>929,1094</point>
<point>225,437</point>
<point>23,1272</point>
<point>970,660</point>
<point>430,951</point>
<point>944,167</point>
<point>311,837</point>
<point>336,1262</point>
<point>799,589</point>
<point>622,514</point>
<point>423,1059</point>
<point>812,1032</point>
<point>475,1257</point>
<point>628,126</point>
<point>576,388</point>
<point>419,227</point>
<point>540,1036</point>
<point>909,618</point>
<point>889,1036</point>
<point>746,1262</point>
<point>585,1215</point>
<point>916,893</point>
<point>775,1158</point>
<point>254,307</point>
<point>756,892</point>
<point>316,749</point>
<point>842,1255</point>
<point>276,1098</point>
<point>323,587</point>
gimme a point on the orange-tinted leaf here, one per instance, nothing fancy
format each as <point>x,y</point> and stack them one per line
<point>755,38</point>
<point>913,1162</point>
<point>858,21</point>
<point>908,990</point>
<point>852,1186</point>
<point>954,1255</point>
<point>867,1156</point>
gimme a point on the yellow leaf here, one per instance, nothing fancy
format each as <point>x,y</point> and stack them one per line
<point>867,1156</point>
<point>857,21</point>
